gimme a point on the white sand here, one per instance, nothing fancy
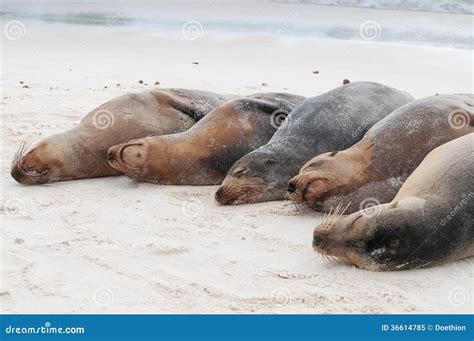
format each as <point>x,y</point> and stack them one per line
<point>108,245</point>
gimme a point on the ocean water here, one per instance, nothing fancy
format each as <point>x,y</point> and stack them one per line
<point>438,23</point>
<point>445,6</point>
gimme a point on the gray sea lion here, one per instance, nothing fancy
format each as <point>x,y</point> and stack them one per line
<point>334,120</point>
<point>203,154</point>
<point>429,222</point>
<point>81,152</point>
<point>373,170</point>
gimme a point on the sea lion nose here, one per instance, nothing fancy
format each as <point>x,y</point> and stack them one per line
<point>291,187</point>
<point>218,195</point>
<point>110,155</point>
<point>317,240</point>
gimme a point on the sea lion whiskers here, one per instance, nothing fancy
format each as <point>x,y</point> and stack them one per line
<point>23,148</point>
<point>18,165</point>
<point>303,206</point>
<point>335,214</point>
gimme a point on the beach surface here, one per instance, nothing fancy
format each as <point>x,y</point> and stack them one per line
<point>113,246</point>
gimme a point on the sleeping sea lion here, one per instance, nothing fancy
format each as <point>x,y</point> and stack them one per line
<point>203,154</point>
<point>81,152</point>
<point>373,170</point>
<point>429,222</point>
<point>334,120</point>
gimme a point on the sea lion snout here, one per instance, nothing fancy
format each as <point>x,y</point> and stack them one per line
<point>127,155</point>
<point>27,168</point>
<point>317,240</point>
<point>291,187</point>
<point>308,187</point>
<point>110,155</point>
<point>243,190</point>
<point>343,237</point>
<point>221,197</point>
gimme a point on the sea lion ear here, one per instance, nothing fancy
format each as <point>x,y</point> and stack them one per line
<point>270,161</point>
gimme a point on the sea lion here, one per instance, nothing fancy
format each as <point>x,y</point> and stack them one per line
<point>81,152</point>
<point>373,170</point>
<point>203,154</point>
<point>429,222</point>
<point>334,120</point>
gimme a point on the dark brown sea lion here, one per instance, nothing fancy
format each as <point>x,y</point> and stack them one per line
<point>373,170</point>
<point>429,222</point>
<point>334,120</point>
<point>203,154</point>
<point>81,152</point>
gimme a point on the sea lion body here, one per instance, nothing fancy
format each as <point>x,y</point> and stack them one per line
<point>81,152</point>
<point>203,154</point>
<point>334,120</point>
<point>429,222</point>
<point>373,170</point>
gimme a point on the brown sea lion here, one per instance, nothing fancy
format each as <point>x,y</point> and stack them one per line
<point>429,222</point>
<point>203,154</point>
<point>334,120</point>
<point>373,170</point>
<point>82,151</point>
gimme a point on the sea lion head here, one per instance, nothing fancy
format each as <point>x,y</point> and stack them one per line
<point>330,175</point>
<point>137,158</point>
<point>53,159</point>
<point>254,178</point>
<point>319,178</point>
<point>394,236</point>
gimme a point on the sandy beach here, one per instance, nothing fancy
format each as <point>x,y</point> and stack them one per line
<point>111,245</point>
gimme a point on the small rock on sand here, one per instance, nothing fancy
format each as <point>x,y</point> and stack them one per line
<point>316,72</point>
<point>346,81</point>
<point>140,81</point>
<point>157,83</point>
